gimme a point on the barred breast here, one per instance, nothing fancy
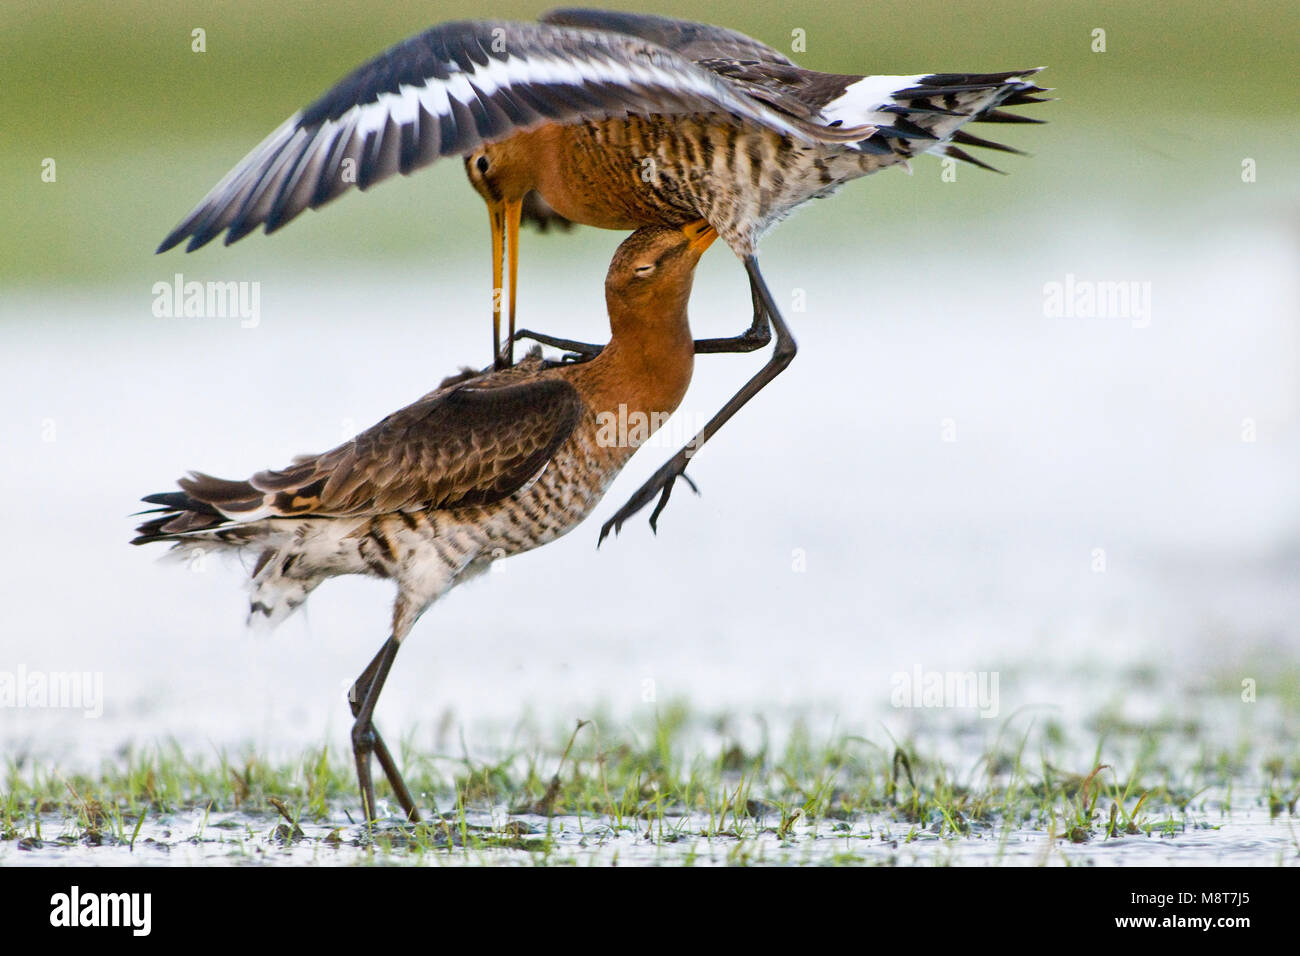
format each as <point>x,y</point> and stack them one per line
<point>625,173</point>
<point>429,552</point>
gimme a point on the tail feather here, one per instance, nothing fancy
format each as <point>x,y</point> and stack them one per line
<point>178,501</point>
<point>977,80</point>
<point>966,157</point>
<point>970,139</point>
<point>220,493</point>
<point>1022,96</point>
<point>1001,116</point>
<point>926,113</point>
<point>279,582</point>
<point>204,506</point>
<point>180,515</point>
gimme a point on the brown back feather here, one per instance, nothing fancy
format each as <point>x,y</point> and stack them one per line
<point>472,444</point>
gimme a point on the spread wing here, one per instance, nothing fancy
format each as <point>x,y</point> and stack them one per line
<point>452,88</point>
<point>466,445</point>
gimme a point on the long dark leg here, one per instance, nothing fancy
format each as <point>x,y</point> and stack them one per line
<point>661,482</point>
<point>582,351</point>
<point>757,336</point>
<point>366,740</point>
<point>386,761</point>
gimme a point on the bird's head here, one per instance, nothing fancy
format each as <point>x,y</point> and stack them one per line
<point>653,269</point>
<point>499,173</point>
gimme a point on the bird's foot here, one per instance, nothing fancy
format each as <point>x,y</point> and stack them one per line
<point>576,351</point>
<point>661,483</point>
<point>751,340</point>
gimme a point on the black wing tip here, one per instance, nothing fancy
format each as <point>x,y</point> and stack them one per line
<point>171,242</point>
<point>237,231</point>
<point>198,239</point>
<point>195,234</point>
<point>279,218</point>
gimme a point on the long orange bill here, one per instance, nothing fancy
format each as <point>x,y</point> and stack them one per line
<point>497,216</point>
<point>513,212</point>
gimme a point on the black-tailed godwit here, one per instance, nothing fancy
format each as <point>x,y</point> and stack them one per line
<point>486,466</point>
<point>617,120</point>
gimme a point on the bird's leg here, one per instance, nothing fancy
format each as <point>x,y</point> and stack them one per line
<point>496,213</point>
<point>757,336</point>
<point>661,482</point>
<point>381,750</point>
<point>366,740</point>
<point>752,339</point>
<point>582,351</point>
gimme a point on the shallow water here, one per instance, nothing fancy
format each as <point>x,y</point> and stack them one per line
<point>1212,837</point>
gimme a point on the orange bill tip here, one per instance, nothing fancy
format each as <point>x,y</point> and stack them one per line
<point>700,235</point>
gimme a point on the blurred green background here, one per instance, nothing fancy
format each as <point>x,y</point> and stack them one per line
<point>141,127</point>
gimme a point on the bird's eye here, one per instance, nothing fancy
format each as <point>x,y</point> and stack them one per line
<point>646,269</point>
<point>482,164</point>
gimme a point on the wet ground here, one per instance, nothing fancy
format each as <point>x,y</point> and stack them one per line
<point>1244,837</point>
<point>1203,780</point>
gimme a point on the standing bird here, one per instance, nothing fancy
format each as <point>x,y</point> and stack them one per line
<point>616,120</point>
<point>488,465</point>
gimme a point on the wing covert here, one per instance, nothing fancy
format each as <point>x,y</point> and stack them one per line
<point>469,445</point>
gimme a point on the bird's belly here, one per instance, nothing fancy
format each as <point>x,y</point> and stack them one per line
<point>601,174</point>
<point>430,552</point>
<point>637,171</point>
<point>559,500</point>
